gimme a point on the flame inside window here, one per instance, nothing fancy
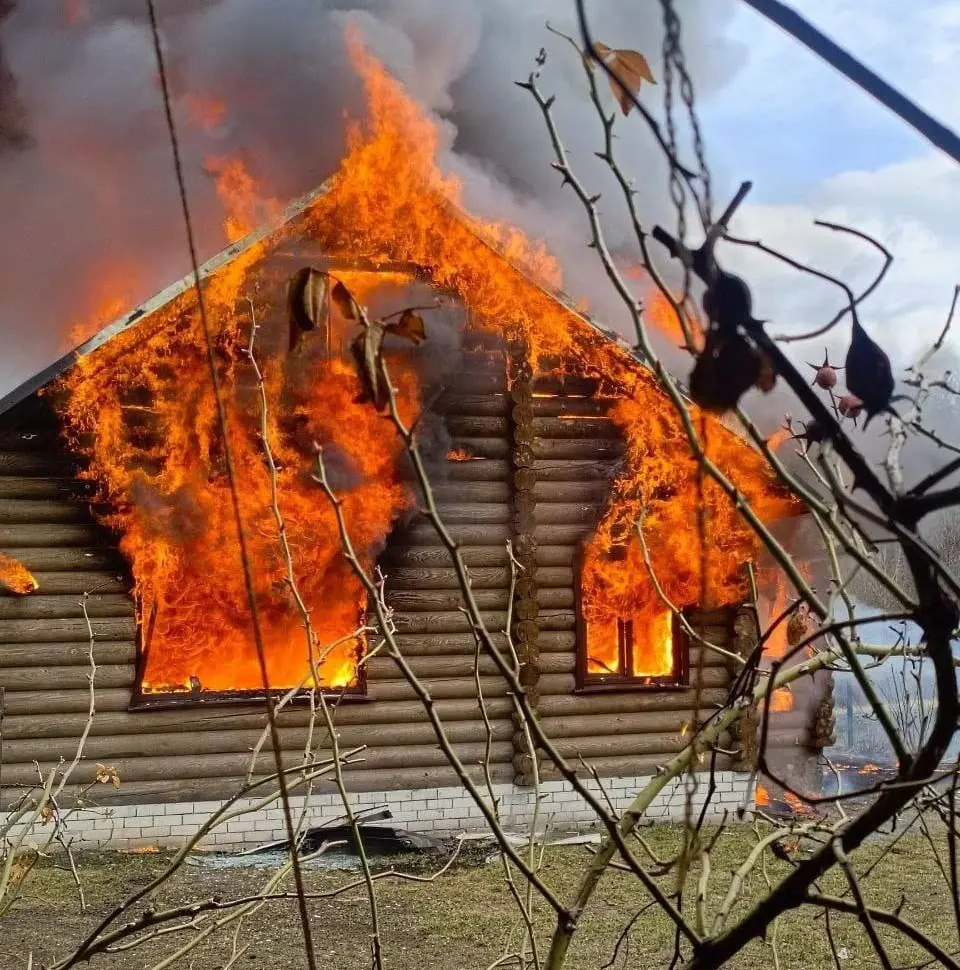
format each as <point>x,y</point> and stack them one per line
<point>639,648</point>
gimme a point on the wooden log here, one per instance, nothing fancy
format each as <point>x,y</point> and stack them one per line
<point>27,511</point>
<point>41,607</point>
<point>216,789</point>
<point>76,583</point>
<point>463,644</point>
<point>451,402</point>
<point>65,654</point>
<point>668,723</point>
<point>401,555</point>
<point>379,739</point>
<point>456,687</point>
<point>434,601</point>
<point>623,766</point>
<point>482,448</point>
<point>709,677</point>
<point>380,669</point>
<point>477,426</point>
<point>472,492</point>
<point>606,704</point>
<point>252,719</point>
<point>563,513</point>
<point>51,699</point>
<point>576,470</point>
<point>57,631</point>
<point>566,385</point>
<point>212,766</point>
<point>592,493</point>
<point>710,658</point>
<point>479,382</point>
<point>21,487</point>
<point>570,426</point>
<point>477,513</point>
<point>38,534</point>
<point>74,559</point>
<point>620,746</point>
<point>490,577</point>
<point>65,678</point>
<point>574,449</point>
<point>481,470</point>
<point>552,406</point>
<point>37,464</point>
<point>422,533</point>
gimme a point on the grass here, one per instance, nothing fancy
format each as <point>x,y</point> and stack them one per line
<point>467,917</point>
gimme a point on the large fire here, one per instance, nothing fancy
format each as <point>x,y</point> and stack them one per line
<point>142,410</point>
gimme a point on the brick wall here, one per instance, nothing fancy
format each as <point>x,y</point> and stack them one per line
<point>444,811</point>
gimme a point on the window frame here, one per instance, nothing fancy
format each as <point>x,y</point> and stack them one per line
<point>591,683</point>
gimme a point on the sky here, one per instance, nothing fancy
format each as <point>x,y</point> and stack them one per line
<point>817,147</point>
<point>96,185</point>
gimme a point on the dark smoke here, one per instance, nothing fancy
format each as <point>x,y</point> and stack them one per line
<point>94,191</point>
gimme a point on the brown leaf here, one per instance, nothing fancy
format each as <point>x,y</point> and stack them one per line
<point>46,810</point>
<point>724,371</point>
<point>308,303</point>
<point>344,301</point>
<point>366,354</point>
<point>799,626</point>
<point>410,326</point>
<point>767,378</point>
<point>631,70</point>
<point>107,775</point>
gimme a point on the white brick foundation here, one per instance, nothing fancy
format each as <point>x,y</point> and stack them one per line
<point>446,811</point>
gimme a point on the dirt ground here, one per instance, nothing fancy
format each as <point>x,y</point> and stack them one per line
<point>464,919</point>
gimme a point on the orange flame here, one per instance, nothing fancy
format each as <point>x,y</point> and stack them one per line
<point>142,409</point>
<point>762,797</point>
<point>15,577</point>
<point>204,112</point>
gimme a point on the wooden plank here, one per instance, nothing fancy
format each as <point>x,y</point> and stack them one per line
<point>555,684</point>
<point>49,699</point>
<point>37,606</point>
<point>592,493</point>
<point>444,600</point>
<point>447,689</point>
<point>400,555</point>
<point>57,631</point>
<point>564,513</point>
<point>425,668</point>
<point>472,492</point>
<point>551,406</point>
<point>478,513</point>
<point>76,583</point>
<point>620,746</point>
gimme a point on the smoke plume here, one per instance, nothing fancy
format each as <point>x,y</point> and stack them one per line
<point>86,180</point>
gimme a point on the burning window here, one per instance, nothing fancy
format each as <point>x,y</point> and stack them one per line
<point>624,640</point>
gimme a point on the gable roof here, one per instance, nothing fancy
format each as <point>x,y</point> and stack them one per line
<point>284,222</point>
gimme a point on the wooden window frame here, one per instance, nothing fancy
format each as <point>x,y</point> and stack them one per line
<point>141,700</point>
<point>589,683</point>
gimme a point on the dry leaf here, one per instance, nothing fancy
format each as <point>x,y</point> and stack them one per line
<point>410,326</point>
<point>631,70</point>
<point>108,775</point>
<point>799,627</point>
<point>46,810</point>
<point>344,301</point>
<point>308,303</point>
<point>366,354</point>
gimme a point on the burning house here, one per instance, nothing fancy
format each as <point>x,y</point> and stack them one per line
<point>538,430</point>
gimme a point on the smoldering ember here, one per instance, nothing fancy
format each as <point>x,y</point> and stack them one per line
<point>364,537</point>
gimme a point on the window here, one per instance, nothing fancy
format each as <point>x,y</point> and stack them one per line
<point>648,648</point>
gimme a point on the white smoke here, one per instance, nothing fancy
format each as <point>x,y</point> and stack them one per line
<point>95,188</point>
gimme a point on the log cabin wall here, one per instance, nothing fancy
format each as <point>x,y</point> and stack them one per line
<point>203,751</point>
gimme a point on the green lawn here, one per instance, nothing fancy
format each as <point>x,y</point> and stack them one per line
<point>467,917</point>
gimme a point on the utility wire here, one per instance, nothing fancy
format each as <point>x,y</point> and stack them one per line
<point>231,479</point>
<point>787,19</point>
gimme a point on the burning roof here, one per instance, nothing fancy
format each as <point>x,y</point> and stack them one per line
<point>139,406</point>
